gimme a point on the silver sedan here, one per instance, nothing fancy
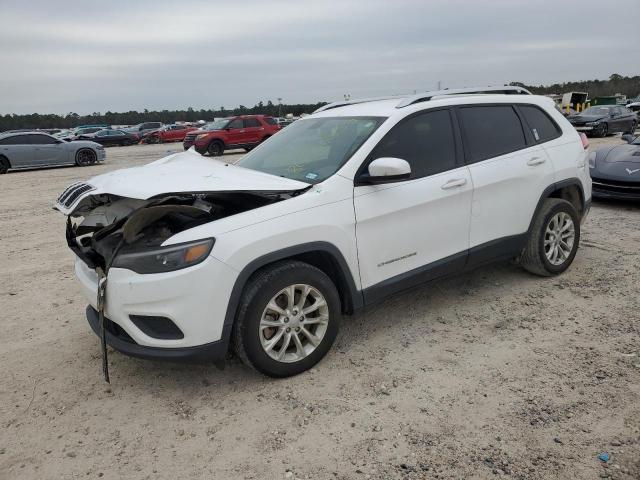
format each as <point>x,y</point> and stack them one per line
<point>37,149</point>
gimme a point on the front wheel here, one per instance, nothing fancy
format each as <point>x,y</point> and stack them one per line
<point>553,239</point>
<point>602,130</point>
<point>4,165</point>
<point>215,149</point>
<point>86,157</point>
<point>632,128</point>
<point>287,320</point>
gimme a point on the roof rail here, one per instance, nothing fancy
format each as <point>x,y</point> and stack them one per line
<point>426,96</point>
<point>329,106</point>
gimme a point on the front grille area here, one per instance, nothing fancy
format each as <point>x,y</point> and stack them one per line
<point>190,137</point>
<point>72,193</point>
<point>616,187</point>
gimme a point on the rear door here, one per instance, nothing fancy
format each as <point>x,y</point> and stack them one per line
<point>47,150</point>
<point>253,130</point>
<point>19,151</point>
<point>509,170</point>
<point>416,229</point>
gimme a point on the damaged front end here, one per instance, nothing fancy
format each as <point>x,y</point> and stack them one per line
<point>106,230</point>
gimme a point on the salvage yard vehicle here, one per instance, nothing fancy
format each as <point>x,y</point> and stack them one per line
<point>168,133</point>
<point>615,170</point>
<point>183,258</point>
<point>141,129</point>
<point>244,131</point>
<point>604,120</point>
<point>111,137</point>
<point>37,149</point>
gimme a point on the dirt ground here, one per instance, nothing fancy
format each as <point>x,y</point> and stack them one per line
<point>492,373</point>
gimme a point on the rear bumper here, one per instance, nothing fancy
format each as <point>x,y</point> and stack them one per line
<point>118,339</point>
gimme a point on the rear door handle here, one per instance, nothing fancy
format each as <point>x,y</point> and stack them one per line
<point>453,183</point>
<point>535,161</point>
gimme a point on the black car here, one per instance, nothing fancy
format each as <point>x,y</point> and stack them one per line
<point>605,119</point>
<point>110,137</point>
<point>615,170</point>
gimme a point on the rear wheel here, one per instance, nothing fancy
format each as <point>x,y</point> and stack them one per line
<point>126,143</point>
<point>215,148</point>
<point>4,165</point>
<point>86,157</point>
<point>287,320</point>
<point>632,128</point>
<point>553,240</point>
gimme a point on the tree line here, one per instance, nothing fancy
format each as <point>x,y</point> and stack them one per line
<point>614,84</point>
<point>630,86</point>
<point>132,117</point>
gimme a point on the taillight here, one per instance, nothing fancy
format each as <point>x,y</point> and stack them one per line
<point>585,140</point>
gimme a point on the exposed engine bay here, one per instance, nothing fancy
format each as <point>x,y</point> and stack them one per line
<point>104,225</point>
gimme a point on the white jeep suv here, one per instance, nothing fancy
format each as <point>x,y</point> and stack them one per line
<point>358,201</point>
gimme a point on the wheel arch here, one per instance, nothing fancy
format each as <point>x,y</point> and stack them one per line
<point>322,255</point>
<point>569,189</point>
<point>4,157</point>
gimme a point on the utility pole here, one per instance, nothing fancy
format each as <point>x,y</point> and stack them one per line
<point>279,107</point>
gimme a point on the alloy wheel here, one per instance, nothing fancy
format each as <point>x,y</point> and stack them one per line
<point>294,323</point>
<point>559,237</point>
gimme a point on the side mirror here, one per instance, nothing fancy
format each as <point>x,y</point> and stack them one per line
<point>627,137</point>
<point>387,170</point>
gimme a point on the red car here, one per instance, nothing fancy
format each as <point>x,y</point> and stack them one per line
<point>244,131</point>
<point>168,133</point>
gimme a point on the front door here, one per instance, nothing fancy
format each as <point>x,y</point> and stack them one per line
<point>236,134</point>
<point>48,151</point>
<point>417,229</point>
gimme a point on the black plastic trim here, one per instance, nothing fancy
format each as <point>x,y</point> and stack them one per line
<point>210,352</point>
<point>494,250</point>
<point>573,181</point>
<point>440,268</point>
<point>158,327</point>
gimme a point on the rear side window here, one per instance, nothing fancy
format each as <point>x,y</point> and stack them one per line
<point>16,140</point>
<point>426,141</point>
<point>270,120</point>
<point>543,128</point>
<point>491,131</point>
<point>251,122</point>
<point>41,140</point>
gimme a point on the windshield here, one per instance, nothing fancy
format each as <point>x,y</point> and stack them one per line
<point>599,111</point>
<point>313,149</point>
<point>217,125</point>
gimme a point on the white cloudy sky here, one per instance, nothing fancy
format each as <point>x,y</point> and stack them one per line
<point>85,56</point>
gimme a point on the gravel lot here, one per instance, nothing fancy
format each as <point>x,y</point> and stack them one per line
<point>492,373</point>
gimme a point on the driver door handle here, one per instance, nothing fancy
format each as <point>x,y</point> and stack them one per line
<point>533,161</point>
<point>453,183</point>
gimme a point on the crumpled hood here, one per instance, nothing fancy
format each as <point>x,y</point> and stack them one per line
<point>186,172</point>
<point>585,118</point>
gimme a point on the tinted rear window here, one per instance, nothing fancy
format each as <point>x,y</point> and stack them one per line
<point>16,140</point>
<point>491,131</point>
<point>251,122</point>
<point>543,128</point>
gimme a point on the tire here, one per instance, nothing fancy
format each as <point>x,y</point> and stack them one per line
<point>4,165</point>
<point>268,286</point>
<point>86,157</point>
<point>603,130</point>
<point>215,148</point>
<point>126,143</point>
<point>632,128</point>
<point>537,256</point>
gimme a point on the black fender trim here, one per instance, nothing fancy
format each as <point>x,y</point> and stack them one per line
<point>351,294</point>
<point>567,182</point>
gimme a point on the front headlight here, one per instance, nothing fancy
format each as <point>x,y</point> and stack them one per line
<point>591,124</point>
<point>592,160</point>
<point>165,259</point>
<point>201,136</point>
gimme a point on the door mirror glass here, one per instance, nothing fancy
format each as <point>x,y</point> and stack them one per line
<point>388,169</point>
